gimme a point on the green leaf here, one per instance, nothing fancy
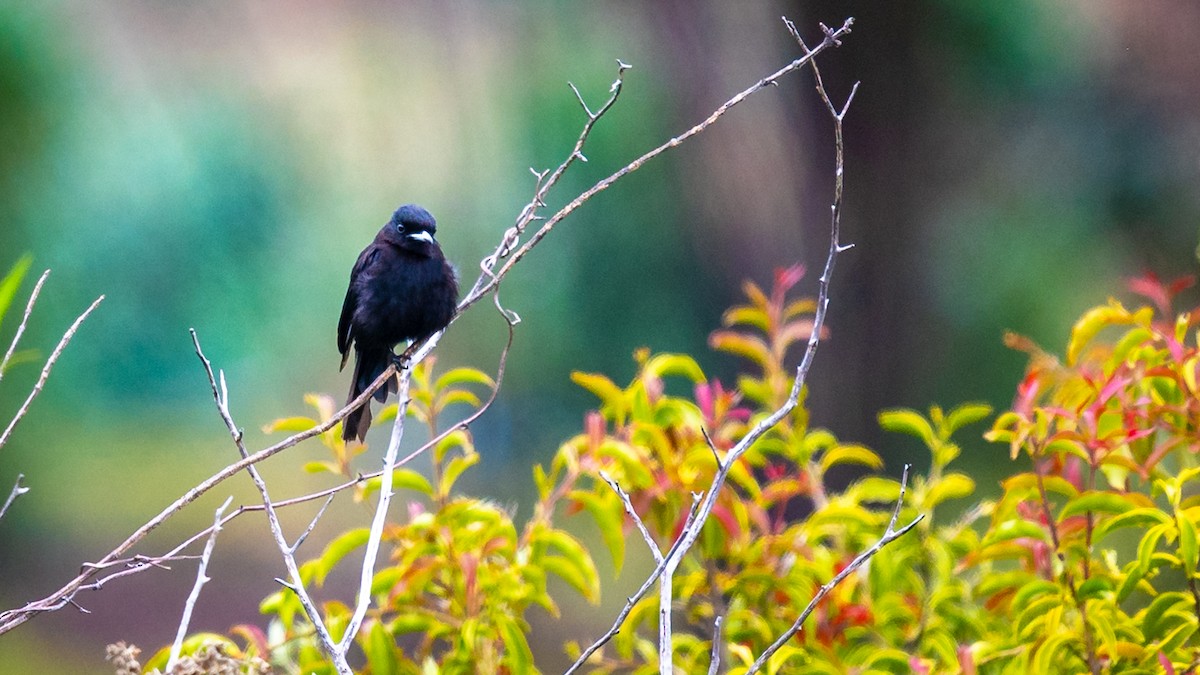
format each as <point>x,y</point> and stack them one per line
<point>380,650</point>
<point>290,424</point>
<point>402,479</point>
<point>12,281</point>
<point>951,486</point>
<point>1148,545</point>
<point>336,550</point>
<point>608,512</point>
<point>905,421</point>
<point>1014,529</point>
<point>463,376</point>
<point>1140,517</point>
<point>850,454</point>
<point>1101,502</point>
<point>1188,551</point>
<point>1152,620</point>
<point>574,564</point>
<point>966,414</point>
<point>455,468</point>
<point>681,365</point>
<point>517,654</point>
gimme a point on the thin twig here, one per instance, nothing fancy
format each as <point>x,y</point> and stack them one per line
<point>201,579</point>
<point>637,520</point>
<point>714,661</point>
<point>17,491</point>
<point>10,619</point>
<point>37,288</point>
<point>889,535</point>
<point>41,381</point>
<point>831,39</point>
<point>221,396</point>
<point>691,532</point>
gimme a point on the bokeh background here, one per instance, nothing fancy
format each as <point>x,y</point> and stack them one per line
<point>219,164</point>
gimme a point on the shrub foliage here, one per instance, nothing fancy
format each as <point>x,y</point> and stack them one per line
<point>1085,562</point>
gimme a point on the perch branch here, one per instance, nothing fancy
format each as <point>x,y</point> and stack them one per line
<point>381,509</point>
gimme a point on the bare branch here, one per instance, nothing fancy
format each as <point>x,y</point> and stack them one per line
<point>714,661</point>
<point>637,520</point>
<point>633,599</point>
<point>381,509</point>
<point>37,288</point>
<point>312,524</point>
<point>699,516</point>
<point>889,535</point>
<point>37,388</point>
<point>221,395</point>
<point>201,579</point>
<point>17,491</point>
<point>491,279</point>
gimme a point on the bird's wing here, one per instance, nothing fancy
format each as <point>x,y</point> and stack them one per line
<point>345,323</point>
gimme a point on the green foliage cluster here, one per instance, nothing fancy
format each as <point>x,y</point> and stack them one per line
<point>1086,562</point>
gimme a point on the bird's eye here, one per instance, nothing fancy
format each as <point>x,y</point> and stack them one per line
<point>399,227</point>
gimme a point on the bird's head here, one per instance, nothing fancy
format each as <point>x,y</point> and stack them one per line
<point>412,228</point>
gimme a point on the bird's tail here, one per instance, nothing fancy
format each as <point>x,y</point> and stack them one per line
<point>368,365</point>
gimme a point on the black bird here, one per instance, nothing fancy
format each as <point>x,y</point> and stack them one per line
<point>401,288</point>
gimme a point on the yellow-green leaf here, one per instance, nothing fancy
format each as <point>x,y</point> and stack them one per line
<point>463,376</point>
<point>965,414</point>
<point>1101,502</point>
<point>380,650</point>
<point>951,486</point>
<point>850,454</point>
<point>402,479</point>
<point>1140,517</point>
<point>336,550</point>
<point>681,365</point>
<point>1097,319</point>
<point>905,421</point>
<point>290,424</point>
<point>602,388</point>
<point>747,346</point>
<point>12,281</point>
<point>454,468</point>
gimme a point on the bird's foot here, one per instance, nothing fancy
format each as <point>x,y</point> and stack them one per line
<point>404,360</point>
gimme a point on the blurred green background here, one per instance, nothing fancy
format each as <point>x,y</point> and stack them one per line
<point>219,165</point>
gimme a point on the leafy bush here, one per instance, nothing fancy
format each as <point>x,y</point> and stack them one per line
<point>1085,563</point>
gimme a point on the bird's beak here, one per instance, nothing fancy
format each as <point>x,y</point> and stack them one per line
<point>422,236</point>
